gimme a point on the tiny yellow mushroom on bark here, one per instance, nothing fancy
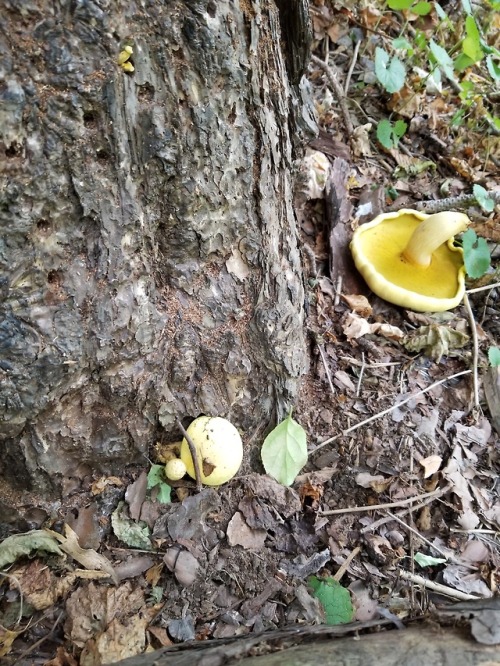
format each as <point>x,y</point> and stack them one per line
<point>219,449</point>
<point>125,54</point>
<point>124,59</point>
<point>408,258</point>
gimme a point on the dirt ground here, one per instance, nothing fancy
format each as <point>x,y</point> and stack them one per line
<point>399,500</point>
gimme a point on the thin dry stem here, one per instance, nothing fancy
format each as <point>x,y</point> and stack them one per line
<point>389,505</point>
<point>436,494</point>
<point>437,587</point>
<point>337,89</point>
<point>192,450</point>
<point>325,365</point>
<point>476,290</point>
<point>475,350</point>
<point>346,564</point>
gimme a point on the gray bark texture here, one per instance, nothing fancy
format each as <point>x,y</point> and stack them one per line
<point>149,255</point>
<point>420,645</point>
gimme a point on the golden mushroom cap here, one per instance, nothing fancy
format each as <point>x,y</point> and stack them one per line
<point>219,449</point>
<point>378,249</point>
<point>175,469</point>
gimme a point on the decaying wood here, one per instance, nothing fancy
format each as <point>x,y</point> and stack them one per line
<point>418,645</point>
<point>149,257</point>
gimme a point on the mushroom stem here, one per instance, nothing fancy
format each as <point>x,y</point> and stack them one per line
<point>431,233</point>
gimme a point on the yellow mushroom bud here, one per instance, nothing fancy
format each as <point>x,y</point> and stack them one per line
<point>175,469</point>
<point>128,67</point>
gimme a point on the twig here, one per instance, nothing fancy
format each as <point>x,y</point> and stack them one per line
<point>194,456</point>
<point>475,350</point>
<point>453,202</point>
<point>389,505</point>
<point>387,411</point>
<point>432,496</point>
<point>325,365</point>
<point>454,529</point>
<point>354,361</point>
<point>361,373</point>
<point>436,587</point>
<point>346,564</point>
<point>339,93</point>
<point>30,649</point>
<point>352,66</point>
<point>495,285</point>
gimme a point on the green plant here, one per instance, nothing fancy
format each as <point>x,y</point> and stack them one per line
<point>335,599</point>
<point>455,48</point>
<point>157,479</point>
<point>389,133</point>
<point>494,357</point>
<point>486,202</point>
<point>284,451</point>
<point>477,257</point>
<point>390,72</point>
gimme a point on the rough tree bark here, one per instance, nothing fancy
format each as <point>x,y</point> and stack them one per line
<point>149,254</point>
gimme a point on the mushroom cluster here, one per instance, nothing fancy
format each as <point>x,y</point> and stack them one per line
<point>408,258</point>
<point>219,451</point>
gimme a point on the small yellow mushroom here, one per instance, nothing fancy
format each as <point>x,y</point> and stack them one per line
<point>128,67</point>
<point>175,469</point>
<point>125,54</point>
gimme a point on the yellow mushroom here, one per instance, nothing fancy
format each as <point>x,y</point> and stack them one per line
<point>175,469</point>
<point>408,258</point>
<point>125,54</point>
<point>219,449</point>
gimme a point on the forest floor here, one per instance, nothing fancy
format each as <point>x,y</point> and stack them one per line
<point>399,501</point>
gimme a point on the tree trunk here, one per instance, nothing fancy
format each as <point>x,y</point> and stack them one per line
<point>149,246</point>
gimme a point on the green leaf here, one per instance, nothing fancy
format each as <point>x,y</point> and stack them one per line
<point>399,129</point>
<point>402,44</point>
<point>389,134</point>
<point>284,451</point>
<point>428,561</point>
<point>422,8</point>
<point>462,62</point>
<point>164,493</point>
<point>471,45</point>
<point>467,6</point>
<point>156,475</point>
<point>442,59</point>
<point>335,599</point>
<point>399,5</point>
<point>18,545</point>
<point>384,133</point>
<point>482,198</point>
<point>390,72</point>
<point>493,68</point>
<point>134,534</point>
<point>156,594</point>
<point>441,14</point>
<point>476,254</point>
<point>157,479</point>
<point>420,39</point>
<point>494,356</point>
